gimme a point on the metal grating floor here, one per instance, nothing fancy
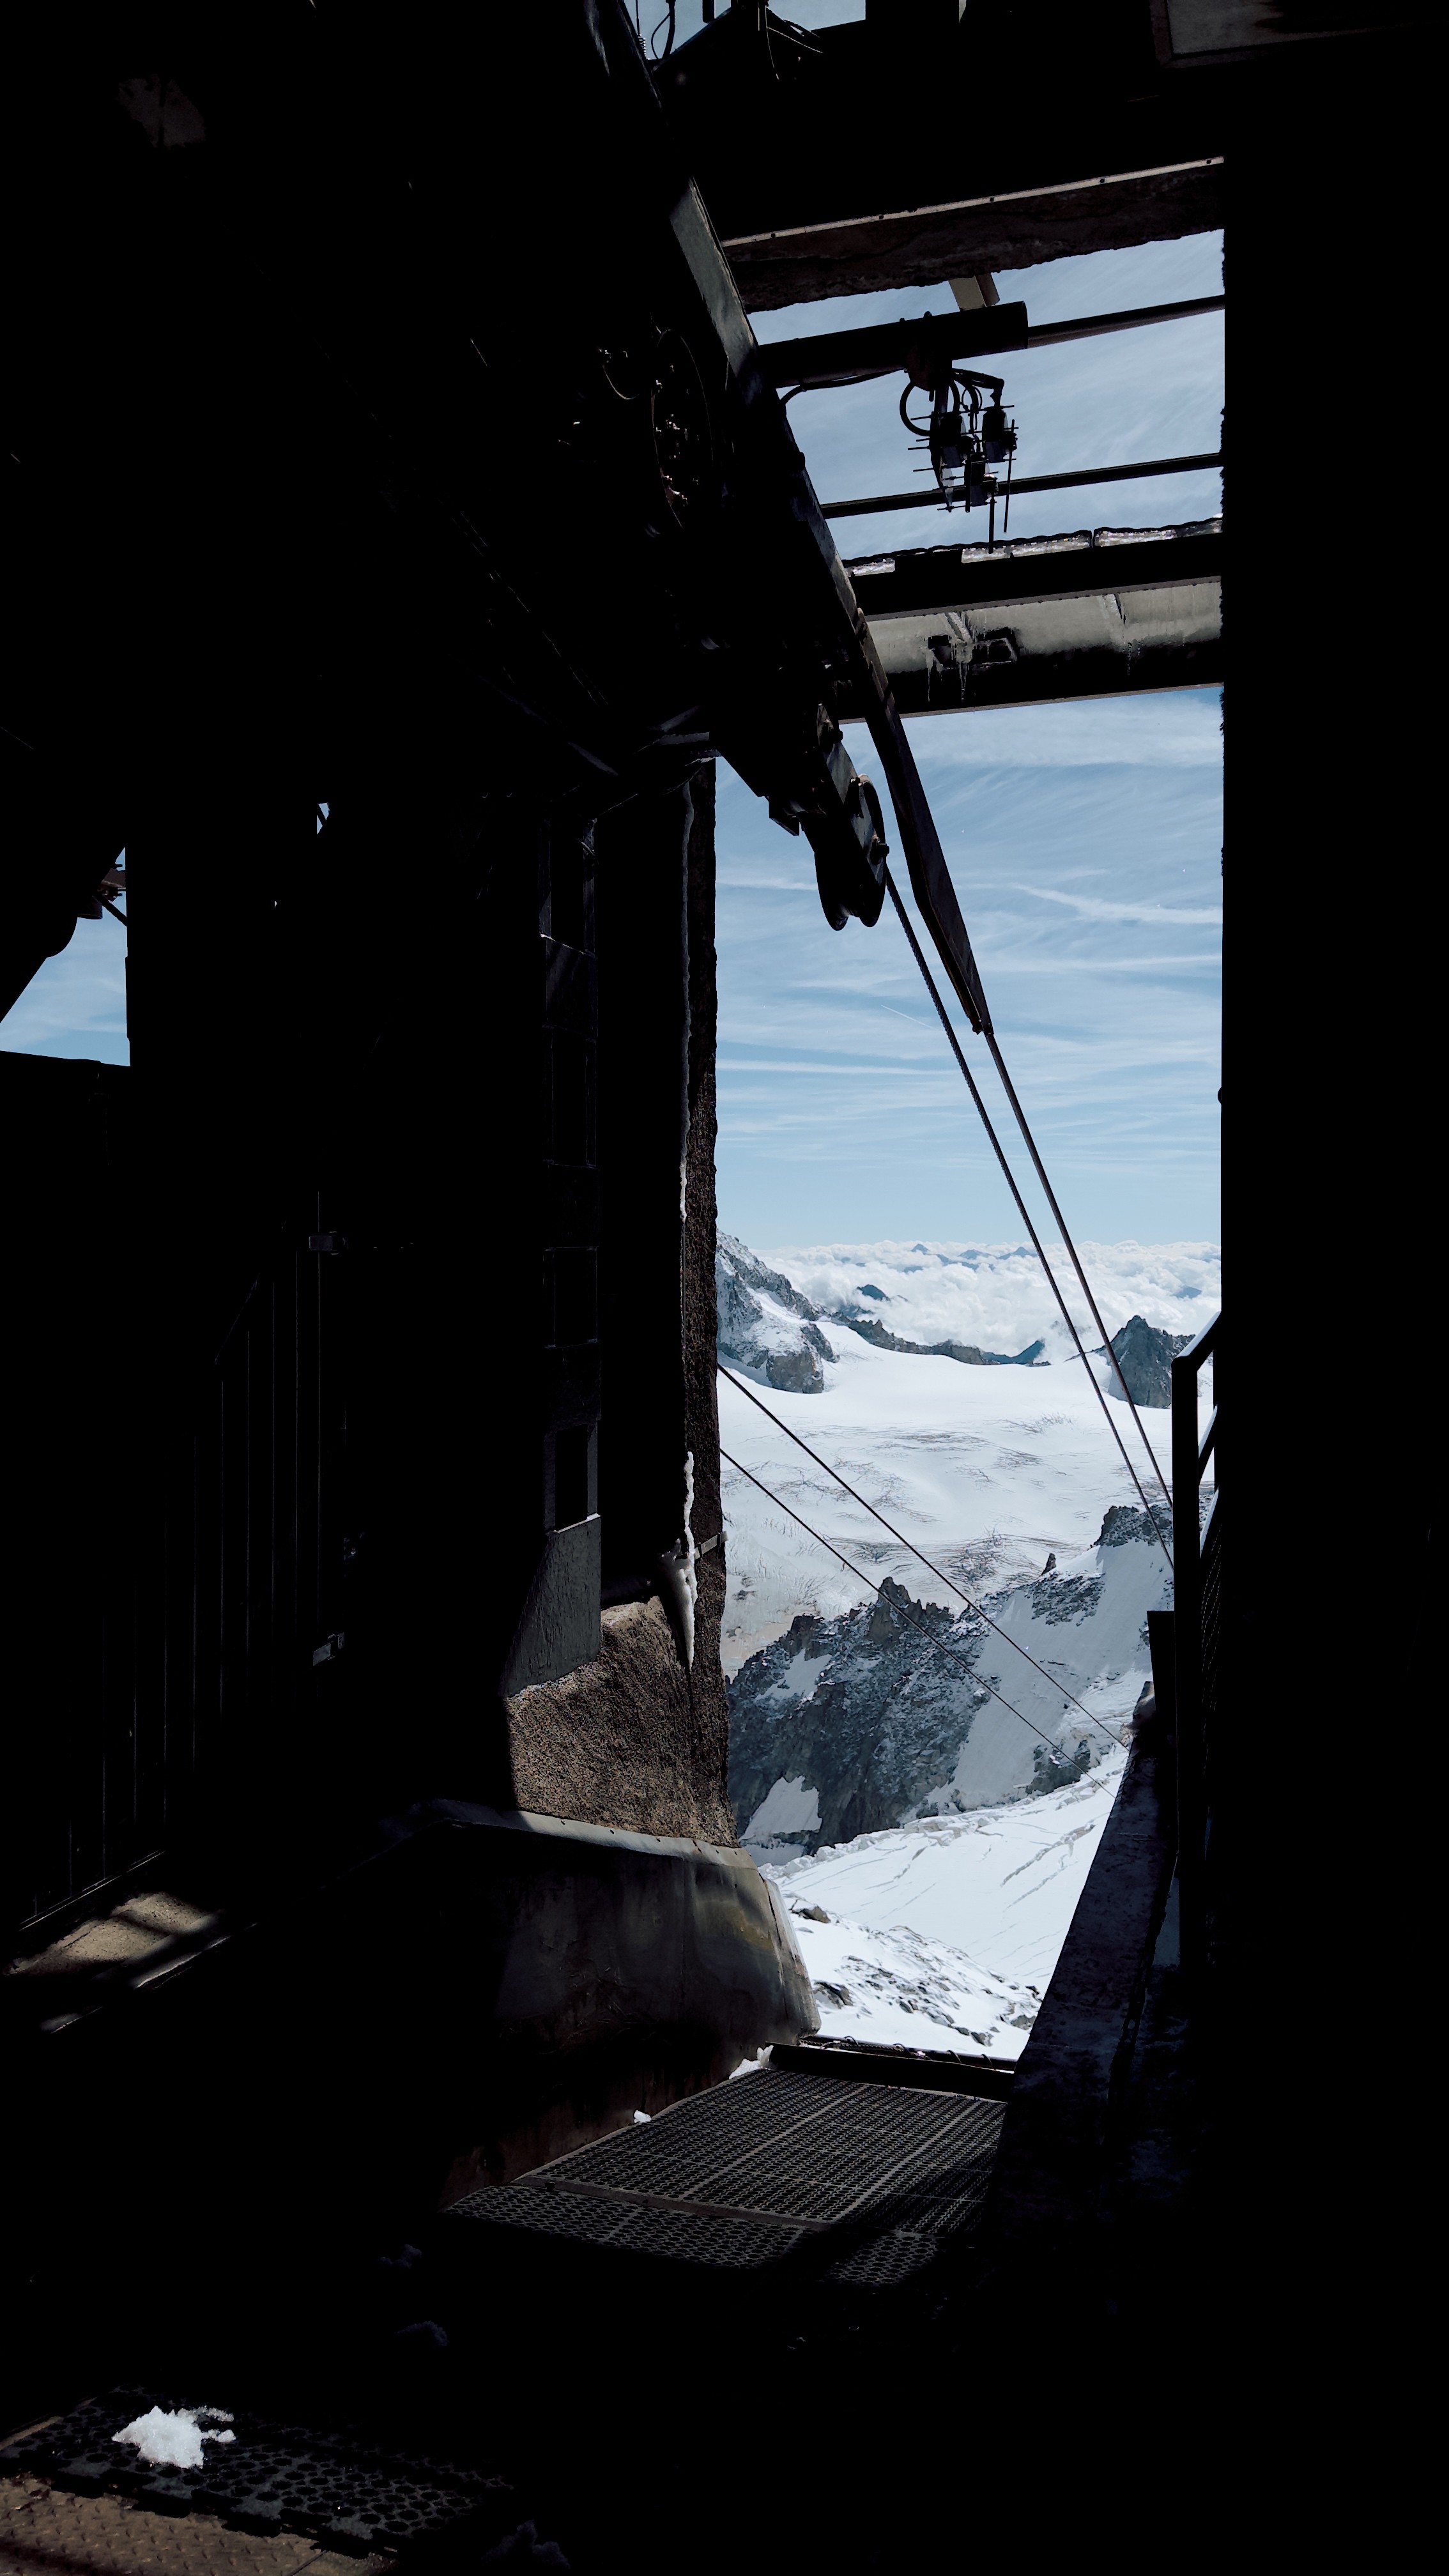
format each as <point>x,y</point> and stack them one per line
<point>816,2194</point>
<point>743,2176</point>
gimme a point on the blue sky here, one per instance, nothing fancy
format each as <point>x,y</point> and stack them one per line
<point>1084,842</point>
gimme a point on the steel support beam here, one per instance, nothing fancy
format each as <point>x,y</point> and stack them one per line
<point>849,357</point>
<point>935,500</point>
<point>1055,618</point>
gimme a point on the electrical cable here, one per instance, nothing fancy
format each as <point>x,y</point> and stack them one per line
<point>1010,1177</point>
<point>937,1645</point>
<point>904,1541</point>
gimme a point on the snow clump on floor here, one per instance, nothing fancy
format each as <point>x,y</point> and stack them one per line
<point>173,2440</point>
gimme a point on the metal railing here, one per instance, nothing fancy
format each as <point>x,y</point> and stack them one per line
<point>1197,1549</point>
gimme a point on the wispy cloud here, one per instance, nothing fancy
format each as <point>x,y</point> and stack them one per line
<point>1172,729</point>
<point>1097,908</point>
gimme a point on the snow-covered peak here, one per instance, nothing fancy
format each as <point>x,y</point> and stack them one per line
<point>766,1330</point>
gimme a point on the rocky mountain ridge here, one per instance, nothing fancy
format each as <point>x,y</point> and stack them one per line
<point>770,1332</point>
<point>850,1725</point>
<point>766,1329</point>
<point>871,1329</point>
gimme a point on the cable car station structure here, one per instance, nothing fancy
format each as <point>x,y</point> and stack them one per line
<point>402,519</point>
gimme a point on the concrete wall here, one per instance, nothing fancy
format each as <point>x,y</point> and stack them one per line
<point>638,1736</point>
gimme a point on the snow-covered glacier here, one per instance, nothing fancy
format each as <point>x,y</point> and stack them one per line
<point>987,1469</point>
<point>929,1796</point>
<point>944,1934</point>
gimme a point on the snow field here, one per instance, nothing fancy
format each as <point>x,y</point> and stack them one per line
<point>944,1931</point>
<point>944,1934</point>
<point>987,1470</point>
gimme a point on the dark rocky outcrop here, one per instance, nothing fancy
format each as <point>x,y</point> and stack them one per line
<point>1125,1521</point>
<point>881,1727</point>
<point>1067,1597</point>
<point>1058,1769</point>
<point>1145,1355</point>
<point>871,1329</point>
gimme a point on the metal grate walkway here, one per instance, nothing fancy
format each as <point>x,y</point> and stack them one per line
<point>753,2172</point>
<point>814,2187</point>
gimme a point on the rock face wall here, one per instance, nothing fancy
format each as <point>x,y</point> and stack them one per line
<point>629,1739</point>
<point>638,1736</point>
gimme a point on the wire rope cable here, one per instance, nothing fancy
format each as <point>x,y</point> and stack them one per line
<point>937,1645</point>
<point>1024,1212</point>
<point>1019,1115</point>
<point>848,1488</point>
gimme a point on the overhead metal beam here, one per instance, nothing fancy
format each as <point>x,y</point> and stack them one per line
<point>901,245</point>
<point>1079,616</point>
<point>1082,563</point>
<point>933,500</point>
<point>826,358</point>
<point>1092,326</point>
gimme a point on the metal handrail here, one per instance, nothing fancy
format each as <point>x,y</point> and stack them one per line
<point>1193,1549</point>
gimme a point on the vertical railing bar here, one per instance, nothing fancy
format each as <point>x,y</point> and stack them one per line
<point>193,1590</point>
<point>249,1506</point>
<point>318,1436</point>
<point>1189,1459</point>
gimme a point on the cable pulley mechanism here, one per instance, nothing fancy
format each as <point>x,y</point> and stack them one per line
<point>850,865</point>
<point>964,436</point>
<point>840,814</point>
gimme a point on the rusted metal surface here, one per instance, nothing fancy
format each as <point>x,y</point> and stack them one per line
<point>44,2531</point>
